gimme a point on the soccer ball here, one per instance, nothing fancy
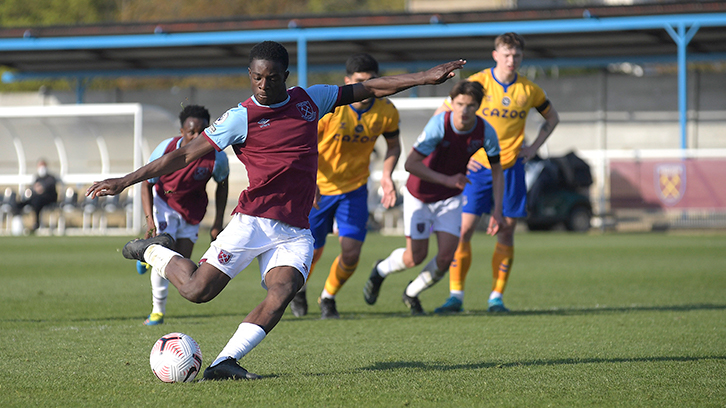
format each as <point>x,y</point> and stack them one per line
<point>176,357</point>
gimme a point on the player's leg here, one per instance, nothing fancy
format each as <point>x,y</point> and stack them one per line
<point>513,207</point>
<point>321,224</point>
<point>282,284</point>
<point>352,217</point>
<point>340,271</point>
<point>477,201</point>
<point>299,304</point>
<point>417,222</point>
<point>284,267</point>
<point>447,225</point>
<point>185,235</point>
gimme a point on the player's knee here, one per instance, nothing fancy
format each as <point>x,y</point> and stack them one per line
<point>443,261</point>
<point>196,294</point>
<point>416,259</point>
<point>350,259</point>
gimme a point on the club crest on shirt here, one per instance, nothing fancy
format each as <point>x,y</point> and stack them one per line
<point>162,225</point>
<point>506,101</point>
<point>358,128</point>
<point>307,111</point>
<point>224,257</point>
<point>201,173</point>
<point>670,182</point>
<point>421,227</point>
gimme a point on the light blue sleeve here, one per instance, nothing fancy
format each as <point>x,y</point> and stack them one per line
<point>221,166</point>
<point>491,141</point>
<point>325,96</point>
<point>158,152</point>
<point>228,129</point>
<point>431,136</point>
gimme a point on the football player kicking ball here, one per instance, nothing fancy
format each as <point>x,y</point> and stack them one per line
<point>274,134</point>
<point>433,200</point>
<point>346,138</point>
<point>176,203</point>
<point>509,97</point>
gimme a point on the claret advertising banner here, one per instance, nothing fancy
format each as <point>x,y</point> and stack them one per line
<point>668,183</point>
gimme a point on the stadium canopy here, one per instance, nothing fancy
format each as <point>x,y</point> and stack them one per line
<point>582,37</point>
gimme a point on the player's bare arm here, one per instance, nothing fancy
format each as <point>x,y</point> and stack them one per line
<point>220,202</point>
<point>168,163</point>
<point>497,219</point>
<point>415,166</point>
<point>393,152</point>
<point>148,205</point>
<point>552,118</point>
<point>389,85</point>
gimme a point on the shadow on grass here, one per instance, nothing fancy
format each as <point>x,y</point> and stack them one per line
<point>398,365</point>
<point>533,312</point>
<point>378,315</point>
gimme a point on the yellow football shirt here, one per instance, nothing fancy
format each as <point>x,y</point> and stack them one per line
<point>346,139</point>
<point>505,107</point>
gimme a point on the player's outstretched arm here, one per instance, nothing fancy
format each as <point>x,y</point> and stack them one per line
<point>168,163</point>
<point>389,85</point>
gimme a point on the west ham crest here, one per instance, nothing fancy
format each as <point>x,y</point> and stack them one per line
<point>224,257</point>
<point>670,182</point>
<point>307,111</point>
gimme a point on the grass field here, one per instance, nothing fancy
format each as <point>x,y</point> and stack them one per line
<point>597,320</point>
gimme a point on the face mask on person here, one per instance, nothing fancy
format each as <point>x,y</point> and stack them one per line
<point>42,171</point>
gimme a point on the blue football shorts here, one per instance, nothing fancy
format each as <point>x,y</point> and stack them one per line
<point>349,210</point>
<point>479,198</point>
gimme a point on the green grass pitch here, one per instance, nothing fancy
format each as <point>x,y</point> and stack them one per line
<point>597,320</point>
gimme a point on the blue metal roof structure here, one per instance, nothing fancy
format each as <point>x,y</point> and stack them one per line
<point>595,41</point>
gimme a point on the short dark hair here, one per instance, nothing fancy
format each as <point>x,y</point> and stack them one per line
<point>193,111</point>
<point>361,63</point>
<point>511,40</point>
<point>270,51</point>
<point>473,89</point>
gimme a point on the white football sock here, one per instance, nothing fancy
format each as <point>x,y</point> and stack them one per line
<point>394,263</point>
<point>495,295</point>
<point>247,336</point>
<point>159,293</point>
<point>459,294</point>
<point>326,295</point>
<point>427,278</point>
<point>158,257</point>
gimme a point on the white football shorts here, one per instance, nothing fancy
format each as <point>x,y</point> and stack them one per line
<point>272,242</point>
<point>420,219</point>
<point>170,221</point>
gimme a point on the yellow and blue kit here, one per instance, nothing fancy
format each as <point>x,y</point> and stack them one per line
<point>505,107</point>
<point>346,138</point>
